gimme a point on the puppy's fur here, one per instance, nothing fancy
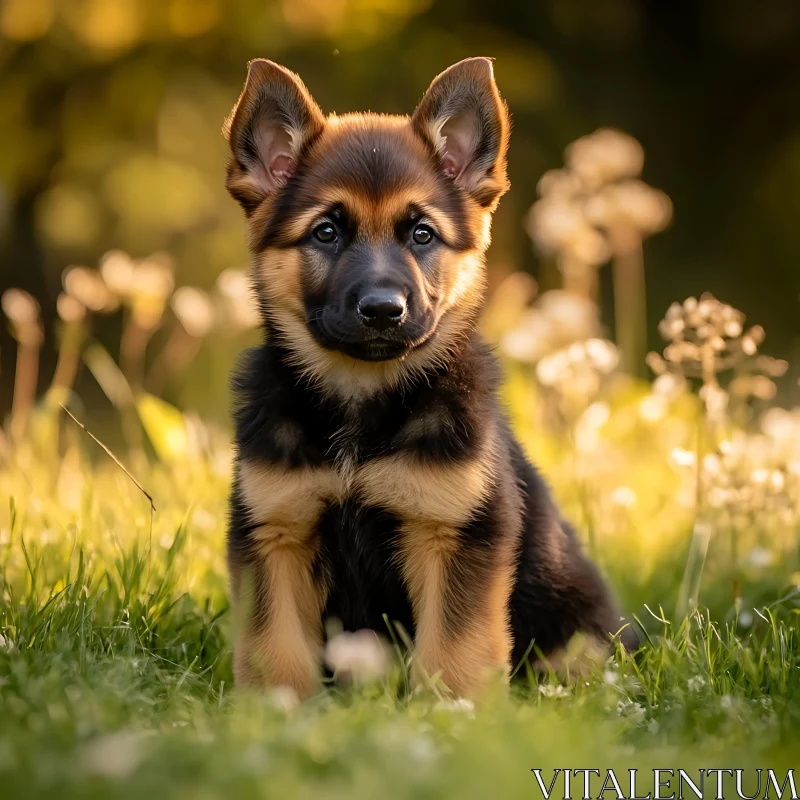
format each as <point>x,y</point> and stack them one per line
<point>376,471</point>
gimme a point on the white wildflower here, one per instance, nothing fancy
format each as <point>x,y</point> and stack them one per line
<point>553,690</point>
<point>459,705</point>
<point>631,710</point>
<point>726,702</point>
<point>361,656</point>
<point>610,677</point>
<point>745,618</point>
<point>696,683</point>
<point>113,756</point>
<point>760,557</point>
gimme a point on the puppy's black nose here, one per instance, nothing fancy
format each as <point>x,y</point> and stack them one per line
<point>382,310</point>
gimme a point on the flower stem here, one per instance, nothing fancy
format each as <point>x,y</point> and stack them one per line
<point>630,300</point>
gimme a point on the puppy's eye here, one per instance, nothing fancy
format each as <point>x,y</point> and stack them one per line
<point>422,234</point>
<point>325,233</point>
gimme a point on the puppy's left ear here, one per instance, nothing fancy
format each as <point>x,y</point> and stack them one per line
<point>463,116</point>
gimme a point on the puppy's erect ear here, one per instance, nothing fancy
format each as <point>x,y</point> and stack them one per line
<point>274,118</point>
<point>464,117</point>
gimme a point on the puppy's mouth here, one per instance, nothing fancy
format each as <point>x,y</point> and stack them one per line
<point>376,350</point>
<point>369,345</point>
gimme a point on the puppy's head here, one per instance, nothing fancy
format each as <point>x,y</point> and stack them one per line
<point>368,231</point>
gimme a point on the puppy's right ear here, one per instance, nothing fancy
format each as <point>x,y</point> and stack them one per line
<point>273,120</point>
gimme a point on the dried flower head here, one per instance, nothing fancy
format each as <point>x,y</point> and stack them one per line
<point>707,337</point>
<point>23,312</point>
<point>750,482</point>
<point>193,308</point>
<point>20,307</point>
<point>559,226</point>
<point>239,307</point>
<point>783,428</point>
<point>632,204</point>
<point>70,309</point>
<point>595,208</point>
<point>117,270</point>
<point>577,372</point>
<point>669,386</point>
<point>88,287</point>
<point>605,155</point>
<point>757,476</point>
<point>561,183</point>
<point>153,282</point>
<point>556,320</point>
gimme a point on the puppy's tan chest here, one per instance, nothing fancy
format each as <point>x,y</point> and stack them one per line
<point>294,499</point>
<point>418,491</point>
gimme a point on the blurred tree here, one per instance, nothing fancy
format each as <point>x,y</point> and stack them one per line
<point>110,112</point>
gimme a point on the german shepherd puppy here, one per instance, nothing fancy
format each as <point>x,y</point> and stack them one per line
<point>376,473</point>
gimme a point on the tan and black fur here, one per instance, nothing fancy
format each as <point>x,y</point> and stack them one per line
<point>376,473</point>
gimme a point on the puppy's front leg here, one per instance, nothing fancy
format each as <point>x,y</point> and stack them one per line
<point>278,601</point>
<point>457,552</point>
<point>459,591</point>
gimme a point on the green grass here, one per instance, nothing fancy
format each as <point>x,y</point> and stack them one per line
<point>115,669</point>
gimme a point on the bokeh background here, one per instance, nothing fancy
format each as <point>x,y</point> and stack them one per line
<point>644,299</point>
<point>110,116</point>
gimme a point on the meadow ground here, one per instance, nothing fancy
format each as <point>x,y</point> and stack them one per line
<point>115,664</point>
